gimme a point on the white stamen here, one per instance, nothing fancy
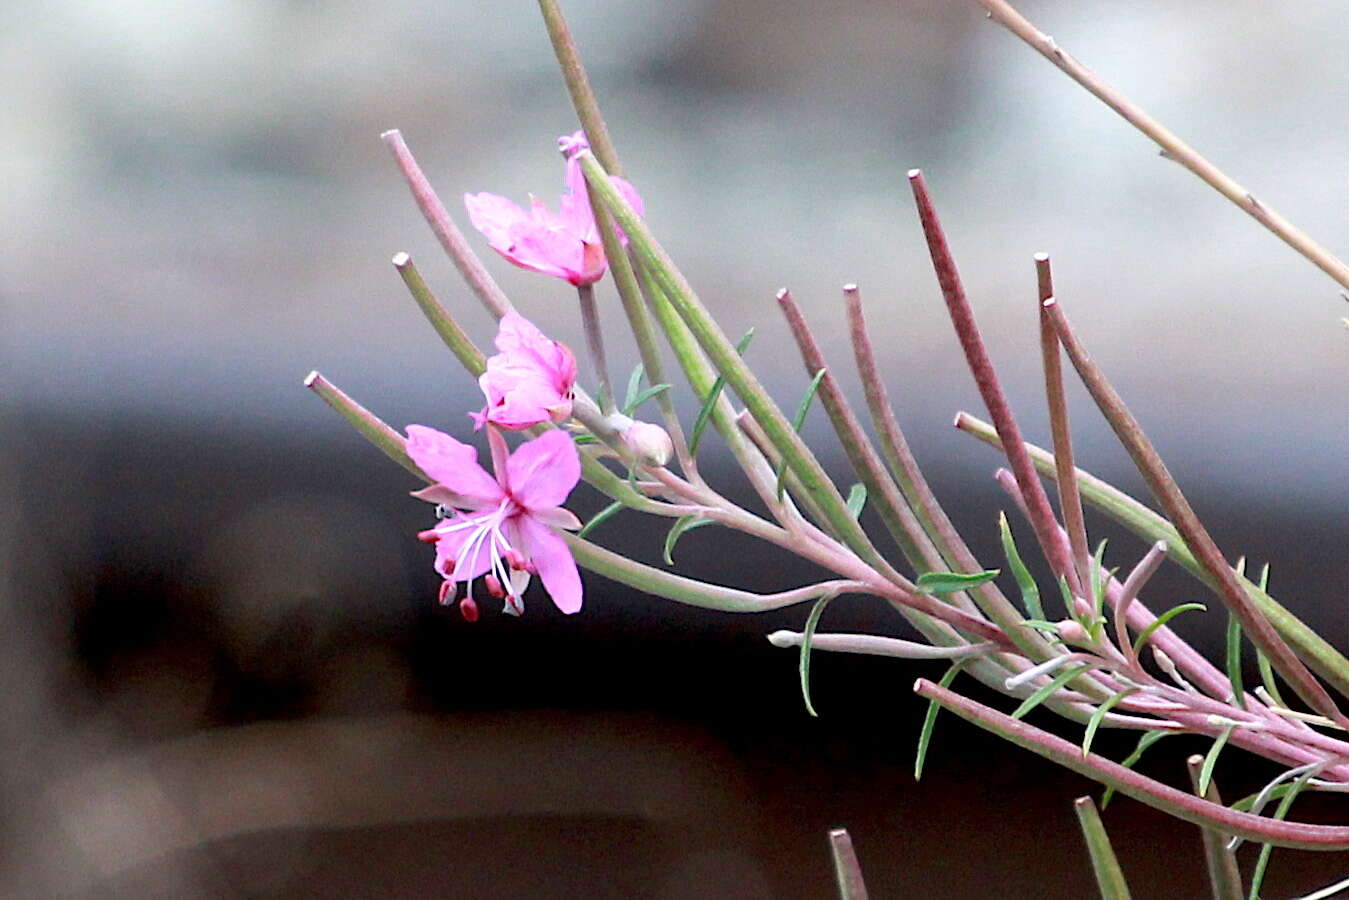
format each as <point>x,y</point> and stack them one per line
<point>1034,672</point>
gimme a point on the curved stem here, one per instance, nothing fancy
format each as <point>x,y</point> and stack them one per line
<point>1127,781</point>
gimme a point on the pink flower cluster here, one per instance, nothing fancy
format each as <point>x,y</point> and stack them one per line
<point>502,527</point>
<point>565,244</point>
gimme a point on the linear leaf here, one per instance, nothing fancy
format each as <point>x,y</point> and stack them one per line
<point>1098,717</point>
<point>1162,620</point>
<point>1104,864</point>
<point>930,719</point>
<point>634,384</point>
<point>1146,740</point>
<point>1030,594</point>
<point>1211,759</point>
<point>1044,692</point>
<point>1286,802</point>
<point>643,396</point>
<point>951,582</point>
<point>800,419</point>
<point>681,525</point>
<point>807,637</point>
<point>710,401</point>
<point>1234,661</point>
<point>600,518</point>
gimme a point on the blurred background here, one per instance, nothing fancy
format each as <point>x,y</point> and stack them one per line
<point>225,674</point>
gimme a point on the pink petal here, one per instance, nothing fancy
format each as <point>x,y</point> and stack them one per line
<point>493,215</point>
<point>542,472</point>
<point>550,555</point>
<point>452,464</point>
<point>557,517</point>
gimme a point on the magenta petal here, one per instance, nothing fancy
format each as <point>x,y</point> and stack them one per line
<point>551,556</point>
<point>493,215</point>
<point>542,472</point>
<point>452,464</point>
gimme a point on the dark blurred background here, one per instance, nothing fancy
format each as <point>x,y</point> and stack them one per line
<point>225,673</point>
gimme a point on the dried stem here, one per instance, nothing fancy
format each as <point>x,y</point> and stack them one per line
<point>1182,515</point>
<point>1041,516</point>
<point>451,238</point>
<point>1070,501</point>
<point>1173,147</point>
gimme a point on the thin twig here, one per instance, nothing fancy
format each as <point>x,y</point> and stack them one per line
<point>451,238</point>
<point>1070,501</point>
<point>1172,147</point>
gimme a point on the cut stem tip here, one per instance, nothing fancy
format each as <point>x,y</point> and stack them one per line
<point>311,378</point>
<point>401,259</point>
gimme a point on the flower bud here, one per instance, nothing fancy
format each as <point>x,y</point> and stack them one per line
<point>649,443</point>
<point>1072,632</point>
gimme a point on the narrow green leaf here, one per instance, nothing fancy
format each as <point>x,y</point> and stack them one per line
<point>930,719</point>
<point>1030,594</point>
<point>1097,586</point>
<point>644,396</point>
<point>681,525</point>
<point>600,518</point>
<point>951,582</point>
<point>1262,661</point>
<point>1105,865</point>
<point>800,419</point>
<point>1044,692</point>
<point>1042,625</point>
<point>857,499</point>
<point>1211,759</point>
<point>1098,717</point>
<point>705,411</point>
<point>1146,740</point>
<point>1162,620</point>
<point>808,637</point>
<point>1234,661</point>
<point>1066,594</point>
<point>1285,803</point>
<point>583,439</point>
<point>634,384</point>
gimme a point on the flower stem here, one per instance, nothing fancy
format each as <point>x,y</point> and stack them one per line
<point>1173,147</point>
<point>590,321</point>
<point>1109,877</point>
<point>847,871</point>
<point>371,427</point>
<point>449,235</point>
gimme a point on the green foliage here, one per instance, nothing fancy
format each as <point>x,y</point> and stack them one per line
<point>951,582</point>
<point>710,401</point>
<point>600,518</point>
<point>681,525</point>
<point>800,419</point>
<point>930,719</point>
<point>1162,620</point>
<point>1030,594</point>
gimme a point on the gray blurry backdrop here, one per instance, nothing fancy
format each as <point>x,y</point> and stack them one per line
<point>196,211</point>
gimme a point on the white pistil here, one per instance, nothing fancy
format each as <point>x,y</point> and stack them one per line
<point>1034,672</point>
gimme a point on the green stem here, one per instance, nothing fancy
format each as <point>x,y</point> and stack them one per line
<point>578,85</point>
<point>847,871</point>
<point>590,321</point>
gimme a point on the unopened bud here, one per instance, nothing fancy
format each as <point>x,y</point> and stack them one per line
<point>468,608</point>
<point>649,443</point>
<point>1071,631</point>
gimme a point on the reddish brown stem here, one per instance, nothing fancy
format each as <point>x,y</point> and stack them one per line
<point>1042,518</point>
<point>1183,517</point>
<point>1126,781</point>
<point>1070,501</point>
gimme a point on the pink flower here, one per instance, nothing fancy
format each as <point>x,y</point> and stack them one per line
<point>566,244</point>
<point>502,527</point>
<point>529,381</point>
